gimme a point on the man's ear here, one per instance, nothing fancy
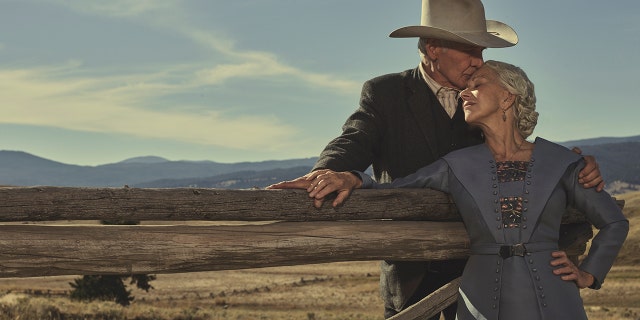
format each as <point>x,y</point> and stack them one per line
<point>433,51</point>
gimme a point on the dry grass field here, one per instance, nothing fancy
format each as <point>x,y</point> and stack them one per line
<point>347,290</point>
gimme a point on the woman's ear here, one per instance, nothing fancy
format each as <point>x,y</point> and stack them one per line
<point>508,99</point>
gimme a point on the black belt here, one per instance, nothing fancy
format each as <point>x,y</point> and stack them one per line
<point>507,251</point>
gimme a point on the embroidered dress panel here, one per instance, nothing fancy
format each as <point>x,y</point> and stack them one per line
<point>509,171</point>
<point>511,206</point>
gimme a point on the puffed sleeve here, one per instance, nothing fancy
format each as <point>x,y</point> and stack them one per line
<point>602,211</point>
<point>435,176</point>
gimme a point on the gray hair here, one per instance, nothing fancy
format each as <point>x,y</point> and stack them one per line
<point>517,83</point>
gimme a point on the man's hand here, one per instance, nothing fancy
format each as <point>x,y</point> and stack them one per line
<point>297,183</point>
<point>590,175</point>
<point>321,183</point>
<point>327,181</point>
<point>569,271</point>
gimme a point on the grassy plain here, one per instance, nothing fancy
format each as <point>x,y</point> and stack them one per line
<point>347,290</point>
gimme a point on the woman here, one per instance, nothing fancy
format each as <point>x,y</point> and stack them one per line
<point>511,194</point>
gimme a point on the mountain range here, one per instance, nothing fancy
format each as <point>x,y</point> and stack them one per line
<point>617,157</point>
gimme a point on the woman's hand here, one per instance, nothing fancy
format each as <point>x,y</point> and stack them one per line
<point>569,271</point>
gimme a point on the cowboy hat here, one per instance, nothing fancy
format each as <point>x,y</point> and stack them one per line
<point>459,21</point>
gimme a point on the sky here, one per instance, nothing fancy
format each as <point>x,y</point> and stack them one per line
<point>91,82</point>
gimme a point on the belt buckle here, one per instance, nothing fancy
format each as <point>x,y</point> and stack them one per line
<point>514,250</point>
<point>519,250</point>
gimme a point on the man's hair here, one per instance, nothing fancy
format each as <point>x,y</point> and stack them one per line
<point>516,82</point>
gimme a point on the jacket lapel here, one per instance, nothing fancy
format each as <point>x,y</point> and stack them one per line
<point>549,162</point>
<point>420,97</point>
<point>475,168</point>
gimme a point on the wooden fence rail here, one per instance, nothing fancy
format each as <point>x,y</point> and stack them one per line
<point>281,227</point>
<point>230,229</point>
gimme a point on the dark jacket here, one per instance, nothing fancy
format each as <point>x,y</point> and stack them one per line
<point>399,127</point>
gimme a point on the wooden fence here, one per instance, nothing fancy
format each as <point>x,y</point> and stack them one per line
<point>236,229</point>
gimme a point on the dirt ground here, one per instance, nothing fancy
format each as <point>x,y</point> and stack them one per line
<point>346,290</point>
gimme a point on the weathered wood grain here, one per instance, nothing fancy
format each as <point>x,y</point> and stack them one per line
<point>67,203</point>
<point>44,250</point>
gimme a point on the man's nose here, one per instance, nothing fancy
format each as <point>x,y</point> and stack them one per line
<point>477,61</point>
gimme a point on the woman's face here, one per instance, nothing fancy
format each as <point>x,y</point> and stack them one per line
<point>484,98</point>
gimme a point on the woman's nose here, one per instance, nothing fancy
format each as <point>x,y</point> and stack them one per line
<point>464,94</point>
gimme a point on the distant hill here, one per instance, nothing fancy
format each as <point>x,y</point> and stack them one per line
<point>23,169</point>
<point>619,162</point>
<point>234,180</point>
<point>617,157</point>
<point>599,141</point>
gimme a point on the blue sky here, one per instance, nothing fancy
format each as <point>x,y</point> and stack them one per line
<point>93,82</point>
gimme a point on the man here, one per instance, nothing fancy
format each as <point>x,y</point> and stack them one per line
<point>409,119</point>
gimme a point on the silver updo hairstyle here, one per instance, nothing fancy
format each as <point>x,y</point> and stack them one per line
<point>517,83</point>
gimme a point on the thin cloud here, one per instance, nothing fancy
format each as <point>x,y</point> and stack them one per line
<point>168,14</point>
<point>40,97</point>
<point>71,96</point>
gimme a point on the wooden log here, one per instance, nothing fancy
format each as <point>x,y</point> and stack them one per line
<point>66,203</point>
<point>432,304</point>
<point>45,250</point>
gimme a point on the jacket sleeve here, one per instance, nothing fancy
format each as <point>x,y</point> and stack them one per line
<point>602,211</point>
<point>434,176</point>
<point>354,148</point>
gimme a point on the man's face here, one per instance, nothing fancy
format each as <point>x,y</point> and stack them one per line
<point>456,63</point>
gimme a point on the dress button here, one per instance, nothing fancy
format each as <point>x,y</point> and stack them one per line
<point>526,191</point>
<point>497,280</point>
<point>524,226</point>
<point>525,209</point>
<point>528,253</point>
<point>530,261</point>
<point>528,182</point>
<point>534,270</point>
<point>493,306</point>
<point>497,271</point>
<point>538,278</point>
<point>495,193</point>
<point>495,298</point>
<point>498,218</point>
<point>542,296</point>
<point>498,262</point>
<point>544,304</point>
<point>524,218</point>
<point>539,287</point>
<point>495,185</point>
<point>495,289</point>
